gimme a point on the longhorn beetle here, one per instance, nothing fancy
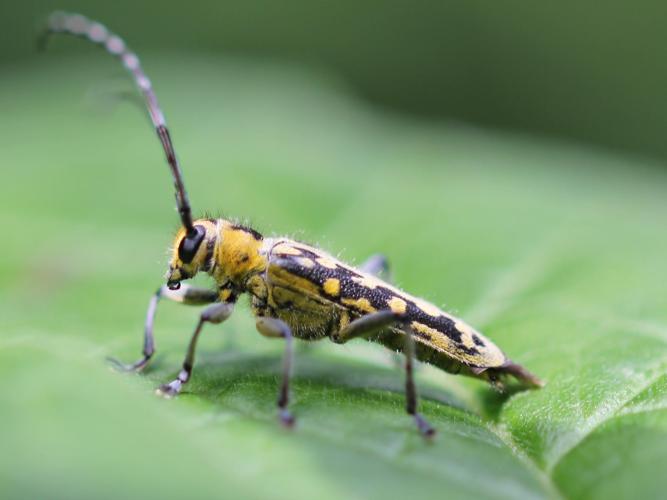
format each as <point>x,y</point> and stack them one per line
<point>295,290</point>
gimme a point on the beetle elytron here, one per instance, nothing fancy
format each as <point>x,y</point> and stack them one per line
<point>295,290</point>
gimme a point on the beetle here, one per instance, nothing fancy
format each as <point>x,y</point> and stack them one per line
<point>296,290</point>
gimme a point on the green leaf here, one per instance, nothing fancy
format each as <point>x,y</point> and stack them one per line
<point>556,252</point>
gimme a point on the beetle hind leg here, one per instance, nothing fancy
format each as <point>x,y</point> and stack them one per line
<point>374,323</point>
<point>411,397</point>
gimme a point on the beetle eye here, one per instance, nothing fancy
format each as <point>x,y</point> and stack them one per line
<point>189,245</point>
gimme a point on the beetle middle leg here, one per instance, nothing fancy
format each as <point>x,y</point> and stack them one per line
<point>276,328</point>
<point>188,295</point>
<point>216,313</point>
<point>374,323</point>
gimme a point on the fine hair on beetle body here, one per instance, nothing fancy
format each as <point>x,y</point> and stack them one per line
<point>295,290</point>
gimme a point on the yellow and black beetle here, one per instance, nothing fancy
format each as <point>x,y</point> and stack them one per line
<point>296,291</point>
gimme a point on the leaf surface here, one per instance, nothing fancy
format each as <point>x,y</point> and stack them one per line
<point>555,252</point>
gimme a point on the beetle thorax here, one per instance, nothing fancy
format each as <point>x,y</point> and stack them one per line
<point>237,253</point>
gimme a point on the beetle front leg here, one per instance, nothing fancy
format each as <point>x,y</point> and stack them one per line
<point>276,328</point>
<point>216,313</point>
<point>188,295</point>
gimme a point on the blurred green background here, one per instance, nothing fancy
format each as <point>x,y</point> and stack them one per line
<point>581,70</point>
<point>362,128</point>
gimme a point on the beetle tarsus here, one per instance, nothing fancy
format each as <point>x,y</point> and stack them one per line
<point>425,429</point>
<point>135,367</point>
<point>170,390</point>
<point>286,418</point>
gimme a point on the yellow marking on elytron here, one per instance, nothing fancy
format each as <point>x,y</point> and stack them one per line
<point>369,281</point>
<point>286,298</point>
<point>428,308</point>
<point>332,286</point>
<point>466,334</point>
<point>280,276</point>
<point>490,356</point>
<point>286,249</point>
<point>436,337</point>
<point>327,262</point>
<point>305,262</point>
<point>397,305</point>
<point>366,280</point>
<point>361,304</point>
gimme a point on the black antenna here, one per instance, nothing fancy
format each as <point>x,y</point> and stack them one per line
<point>78,25</point>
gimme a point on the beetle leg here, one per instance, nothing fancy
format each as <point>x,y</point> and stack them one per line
<point>216,313</point>
<point>411,397</point>
<point>377,265</point>
<point>276,328</point>
<point>365,326</point>
<point>371,324</point>
<point>187,294</point>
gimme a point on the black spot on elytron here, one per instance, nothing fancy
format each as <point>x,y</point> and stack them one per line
<point>477,340</point>
<point>468,350</point>
<point>422,335</point>
<point>248,230</point>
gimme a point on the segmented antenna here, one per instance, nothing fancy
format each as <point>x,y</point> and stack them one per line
<point>78,25</point>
